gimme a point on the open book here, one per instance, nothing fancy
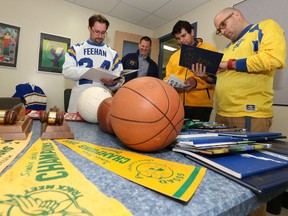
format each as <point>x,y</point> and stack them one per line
<point>176,82</point>
<point>96,74</point>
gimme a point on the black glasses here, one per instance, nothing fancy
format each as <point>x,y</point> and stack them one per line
<point>222,24</point>
<point>97,32</point>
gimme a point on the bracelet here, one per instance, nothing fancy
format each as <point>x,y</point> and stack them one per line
<point>229,64</point>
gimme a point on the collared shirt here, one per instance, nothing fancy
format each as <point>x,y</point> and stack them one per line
<point>143,66</point>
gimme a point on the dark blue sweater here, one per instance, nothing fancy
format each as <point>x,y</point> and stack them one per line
<point>130,61</point>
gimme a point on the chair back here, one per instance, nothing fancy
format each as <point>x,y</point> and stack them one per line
<point>67,94</point>
<point>9,102</point>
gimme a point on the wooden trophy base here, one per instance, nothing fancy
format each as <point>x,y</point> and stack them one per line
<point>17,131</point>
<point>62,131</point>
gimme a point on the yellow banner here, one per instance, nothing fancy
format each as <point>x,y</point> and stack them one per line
<point>44,182</point>
<point>10,149</point>
<point>177,180</point>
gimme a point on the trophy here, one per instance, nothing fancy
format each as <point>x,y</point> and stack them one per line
<point>54,126</point>
<point>14,124</point>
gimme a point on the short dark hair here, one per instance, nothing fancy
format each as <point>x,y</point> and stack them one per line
<point>181,25</point>
<point>98,18</point>
<point>146,38</point>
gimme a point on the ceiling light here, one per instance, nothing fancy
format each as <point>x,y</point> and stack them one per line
<point>169,48</point>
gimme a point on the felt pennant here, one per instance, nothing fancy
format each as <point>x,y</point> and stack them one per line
<point>44,182</point>
<point>176,180</point>
<point>10,149</point>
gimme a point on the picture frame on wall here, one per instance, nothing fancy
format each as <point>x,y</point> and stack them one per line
<point>9,43</point>
<point>52,52</point>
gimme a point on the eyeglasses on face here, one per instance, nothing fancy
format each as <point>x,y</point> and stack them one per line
<point>222,24</point>
<point>97,32</point>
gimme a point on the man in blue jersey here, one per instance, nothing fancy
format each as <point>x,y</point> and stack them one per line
<point>92,53</point>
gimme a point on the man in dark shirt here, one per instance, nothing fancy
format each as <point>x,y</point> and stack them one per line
<point>141,61</point>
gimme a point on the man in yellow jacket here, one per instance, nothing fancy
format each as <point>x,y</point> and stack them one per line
<point>197,96</point>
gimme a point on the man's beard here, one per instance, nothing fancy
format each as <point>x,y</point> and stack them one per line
<point>98,40</point>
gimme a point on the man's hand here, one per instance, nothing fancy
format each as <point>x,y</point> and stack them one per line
<point>109,82</point>
<point>222,67</point>
<point>200,71</point>
<point>190,83</point>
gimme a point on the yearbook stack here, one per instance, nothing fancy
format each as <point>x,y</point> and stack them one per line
<point>251,159</point>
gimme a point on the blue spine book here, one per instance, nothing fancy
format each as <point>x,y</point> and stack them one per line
<point>250,134</point>
<point>256,136</point>
<point>244,164</point>
<point>209,141</point>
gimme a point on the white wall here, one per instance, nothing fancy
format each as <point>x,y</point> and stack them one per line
<point>204,15</point>
<point>64,19</point>
<point>55,17</point>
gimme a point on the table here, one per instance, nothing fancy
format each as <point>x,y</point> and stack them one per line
<point>216,194</point>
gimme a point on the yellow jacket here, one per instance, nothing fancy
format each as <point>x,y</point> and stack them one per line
<point>202,96</point>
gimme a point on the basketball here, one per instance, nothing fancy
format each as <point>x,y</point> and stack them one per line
<point>103,116</point>
<point>146,114</point>
<point>89,101</point>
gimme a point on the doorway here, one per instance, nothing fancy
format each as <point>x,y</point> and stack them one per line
<point>129,47</point>
<point>167,46</point>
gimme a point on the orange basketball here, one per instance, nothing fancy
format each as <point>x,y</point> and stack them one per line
<point>146,114</point>
<point>103,115</point>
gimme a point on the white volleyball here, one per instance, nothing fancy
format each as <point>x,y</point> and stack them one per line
<point>89,101</point>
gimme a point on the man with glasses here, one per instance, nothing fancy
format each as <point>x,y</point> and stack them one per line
<point>244,85</point>
<point>92,53</point>
<point>197,96</point>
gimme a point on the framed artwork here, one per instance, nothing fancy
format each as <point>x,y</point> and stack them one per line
<point>9,42</point>
<point>52,52</point>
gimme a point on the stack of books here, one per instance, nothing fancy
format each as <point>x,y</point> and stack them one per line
<point>239,155</point>
<point>213,143</point>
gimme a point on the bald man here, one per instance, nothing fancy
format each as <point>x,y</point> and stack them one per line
<point>245,78</point>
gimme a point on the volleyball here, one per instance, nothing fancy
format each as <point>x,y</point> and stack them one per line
<point>89,101</point>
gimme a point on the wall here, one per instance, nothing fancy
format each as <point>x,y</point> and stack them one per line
<point>204,15</point>
<point>54,17</point>
<point>64,19</point>
<point>123,36</point>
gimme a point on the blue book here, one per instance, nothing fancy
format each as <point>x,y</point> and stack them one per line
<point>250,134</point>
<point>256,136</point>
<point>260,183</point>
<point>265,138</point>
<point>206,141</point>
<point>241,165</point>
